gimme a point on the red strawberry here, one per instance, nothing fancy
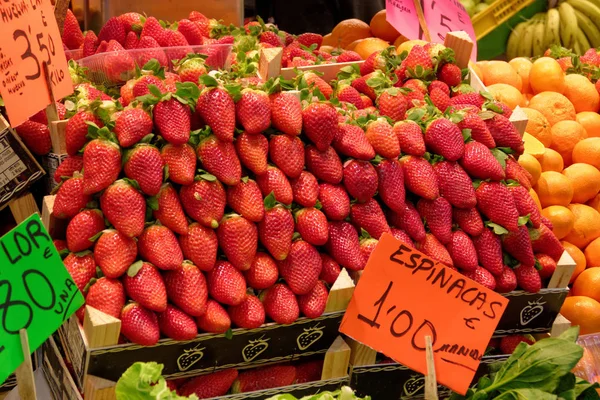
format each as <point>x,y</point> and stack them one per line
<point>344,245</point>
<point>508,344</point>
<point>270,37</point>
<point>305,189</point>
<point>172,119</point>
<point>226,284</point>
<point>214,320</point>
<point>325,165</point>
<point>276,229</point>
<point>481,276</point>
<point>287,152</point>
<point>479,130</point>
<point>139,325</point>
<point>346,93</point>
<point>114,253</point>
<point>238,238</point>
<point>381,136</point>
<point>181,161</point>
<point>200,246</point>
<point>144,284</point>
<point>474,99</point>
<point>82,268</point>
<point>439,85</point>
<point>419,177</point>
<point>274,181</point>
<point>480,162</point>
<point>217,109</point>
<point>252,151</point>
<point>176,324</point>
<point>101,165</point>
<point>77,129</point>
<point>348,56</point>
<point>204,201</point>
<point>112,30</point>
<point>320,124</point>
<point>249,314</point>
<point>106,295</point>
<point>131,41</point>
<point>187,289</point>
<point>360,179</point>
<point>312,226</point>
<point>124,207</point>
<point>66,168</point>
<point>132,125</point>
<point>84,226</point>
<point>151,50</point>
<point>455,185</point>
<point>543,240</point>
<point>281,304</point>
<point>496,202</point>
<point>504,133</point>
<point>438,216</point>
<point>216,384</point>
<point>264,378</point>
<point>90,43</point>
<point>367,246</point>
<point>408,220</point>
<point>450,74</point>
<point>145,165</point>
<point>286,113</point>
<point>312,304</point>
<point>516,172</point>
<point>444,138</point>
<point>317,81</point>
<point>526,205</point>
<point>392,103</point>
<point>360,84</point>
<point>169,210</point>
<point>375,61</point>
<point>131,21</point>
<point>36,137</point>
<point>489,251</point>
<point>263,272</point>
<point>72,36</point>
<point>462,250</point>
<point>191,68</point>
<point>351,141</point>
<point>70,198</point>
<point>120,66</point>
<point>439,99</point>
<point>158,245</point>
<point>253,111</point>
<point>507,281</point>
<point>518,245</point>
<point>152,28</point>
<point>370,217</point>
<point>330,270</point>
<point>301,268</point>
<point>548,265</point>
<point>434,249</point>
<point>468,220</point>
<point>335,201</point>
<point>219,158</point>
<point>367,102</point>
<point>402,236</point>
<point>528,278</point>
<point>191,31</point>
<point>418,62</point>
<point>245,198</point>
<point>308,39</point>
<point>410,137</point>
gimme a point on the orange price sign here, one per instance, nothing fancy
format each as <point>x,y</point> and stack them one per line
<point>403,296</point>
<point>30,38</point>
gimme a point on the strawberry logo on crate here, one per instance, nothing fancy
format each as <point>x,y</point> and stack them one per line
<point>414,384</point>
<point>254,348</point>
<point>190,357</point>
<point>309,337</point>
<point>533,310</point>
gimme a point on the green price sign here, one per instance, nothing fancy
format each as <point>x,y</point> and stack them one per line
<point>36,291</point>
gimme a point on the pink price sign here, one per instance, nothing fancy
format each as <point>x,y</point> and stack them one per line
<point>443,16</point>
<point>402,14</point>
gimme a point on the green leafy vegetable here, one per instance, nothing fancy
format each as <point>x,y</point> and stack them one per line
<point>143,381</point>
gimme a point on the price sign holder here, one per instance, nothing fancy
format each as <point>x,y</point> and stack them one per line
<point>24,373</point>
<point>431,392</point>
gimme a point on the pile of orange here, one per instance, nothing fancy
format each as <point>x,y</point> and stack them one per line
<point>562,112</point>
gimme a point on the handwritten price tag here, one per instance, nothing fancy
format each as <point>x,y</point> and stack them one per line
<point>443,16</point>
<point>403,296</point>
<point>30,37</point>
<point>402,14</point>
<point>36,291</point>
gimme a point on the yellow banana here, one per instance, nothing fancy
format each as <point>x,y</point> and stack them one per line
<point>539,30</point>
<point>568,24</point>
<point>589,28</point>
<point>526,43</point>
<point>587,8</point>
<point>582,42</point>
<point>552,33</point>
<point>513,44</point>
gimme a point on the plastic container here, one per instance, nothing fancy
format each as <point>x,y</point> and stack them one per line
<point>588,367</point>
<point>497,13</point>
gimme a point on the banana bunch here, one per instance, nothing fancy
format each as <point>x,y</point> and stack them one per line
<point>574,24</point>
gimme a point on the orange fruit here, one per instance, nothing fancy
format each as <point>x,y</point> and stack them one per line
<point>538,126</point>
<point>381,28</point>
<point>546,75</point>
<point>565,135</point>
<point>554,106</point>
<point>326,49</point>
<point>582,93</point>
<point>585,180</point>
<point>507,94</point>
<point>578,257</point>
<point>588,284</point>
<point>476,68</point>
<point>522,67</point>
<point>588,151</point>
<point>583,311</point>
<point>590,121</point>
<point>352,45</point>
<point>532,165</point>
<point>562,220</point>
<point>328,40</point>
<point>535,198</point>
<point>592,254</point>
<point>595,203</point>
<point>368,46</point>
<point>553,188</point>
<point>399,40</point>
<point>551,161</point>
<point>501,72</point>
<point>349,30</point>
<point>586,227</point>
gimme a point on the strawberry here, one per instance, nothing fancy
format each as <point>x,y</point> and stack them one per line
<point>325,165</point>
<point>444,138</point>
<point>543,240</point>
<point>36,137</point>
<point>360,84</point>
<point>264,378</point>
<point>351,141</point>
<point>84,226</point>
<point>320,124</point>
<point>249,314</point>
<point>101,165</point>
<point>489,251</point>
<point>515,171</point>
<point>317,81</point>
<point>151,51</point>
<point>481,276</point>
<point>439,85</point>
<point>439,99</point>
<point>220,159</point>
<point>113,30</point>
<point>506,282</point>
<point>347,94</point>
<point>215,384</point>
<point>238,238</point>
<point>82,268</point>
<point>528,278</point>
<point>72,36</point>
<point>402,236</point>
<point>114,253</point>
<point>380,135</point>
<point>495,201</point>
<point>200,246</point>
<point>132,125</point>
<point>508,344</point>
<point>360,180</point>
<point>124,207</point>
<point>504,133</point>
<point>334,200</point>
<point>144,164</point>
<point>469,220</point>
<point>245,198</point>
<point>410,137</point>
<point>348,56</point>
<point>172,119</point>
<point>158,245</point>
<point>438,216</point>
<point>215,319</point>
<point>252,151</point>
<point>419,177</point>
<point>276,229</point>
<point>450,74</point>
<point>287,152</point>
<point>253,111</point>
<point>270,37</point>
<point>169,210</point>
<point>462,250</point>
<point>344,245</point>
<point>474,99</point>
<point>131,21</point>
<point>455,185</point>
<point>190,68</point>
<point>408,220</point>
<point>312,304</point>
<point>217,109</point>
<point>263,272</point>
<point>433,248</point>
<point>226,284</point>
<point>526,205</point>
<point>90,43</point>
<point>131,41</point>
<point>187,289</point>
<point>308,39</point>
<point>142,85</point>
<point>547,222</point>
<point>367,246</point>
<point>204,201</point>
<point>119,65</point>
<point>176,324</point>
<point>392,103</point>
<point>367,102</point>
<point>77,129</point>
<point>70,198</point>
<point>305,189</point>
<point>66,168</point>
<point>370,217</point>
<point>274,181</point>
<point>286,113</point>
<point>144,284</point>
<point>479,130</point>
<point>480,162</point>
<point>139,325</point>
<point>178,41</point>
<point>312,226</point>
<point>418,62</point>
<point>181,161</point>
<point>375,61</point>
<point>505,109</point>
<point>548,265</point>
<point>106,295</point>
<point>191,31</point>
<point>330,270</point>
<point>280,304</point>
<point>301,268</point>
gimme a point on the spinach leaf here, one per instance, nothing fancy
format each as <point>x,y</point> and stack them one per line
<point>526,394</point>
